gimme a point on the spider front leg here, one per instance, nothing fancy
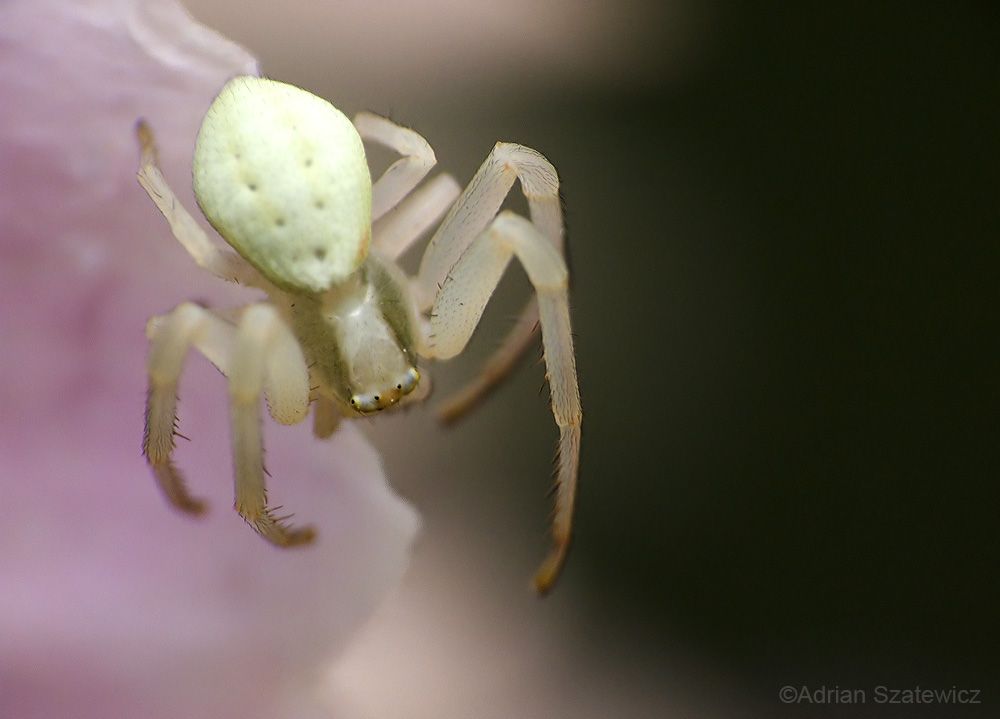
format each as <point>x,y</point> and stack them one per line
<point>171,336</point>
<point>170,339</point>
<point>468,217</point>
<point>457,310</point>
<point>264,350</point>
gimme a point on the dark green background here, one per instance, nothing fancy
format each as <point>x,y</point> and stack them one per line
<point>790,367</point>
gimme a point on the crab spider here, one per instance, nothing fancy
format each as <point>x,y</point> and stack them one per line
<point>282,176</point>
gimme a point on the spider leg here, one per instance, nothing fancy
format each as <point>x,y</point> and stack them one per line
<point>497,366</point>
<point>171,337</point>
<point>264,350</point>
<point>398,229</point>
<point>222,263</point>
<point>326,417</point>
<point>468,217</point>
<point>457,310</point>
<point>405,173</point>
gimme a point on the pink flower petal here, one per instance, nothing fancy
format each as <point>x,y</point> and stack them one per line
<point>114,605</point>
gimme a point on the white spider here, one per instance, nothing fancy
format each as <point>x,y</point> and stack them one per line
<point>282,175</point>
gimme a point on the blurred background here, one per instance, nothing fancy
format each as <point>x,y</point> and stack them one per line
<point>783,227</point>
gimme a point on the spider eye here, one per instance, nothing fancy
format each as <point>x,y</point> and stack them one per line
<point>409,381</point>
<point>366,403</point>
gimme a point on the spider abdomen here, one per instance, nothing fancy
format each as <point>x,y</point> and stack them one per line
<point>282,175</point>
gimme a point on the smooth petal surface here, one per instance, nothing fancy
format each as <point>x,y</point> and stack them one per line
<point>112,604</point>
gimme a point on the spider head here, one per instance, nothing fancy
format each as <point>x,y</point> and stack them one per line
<point>369,402</point>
